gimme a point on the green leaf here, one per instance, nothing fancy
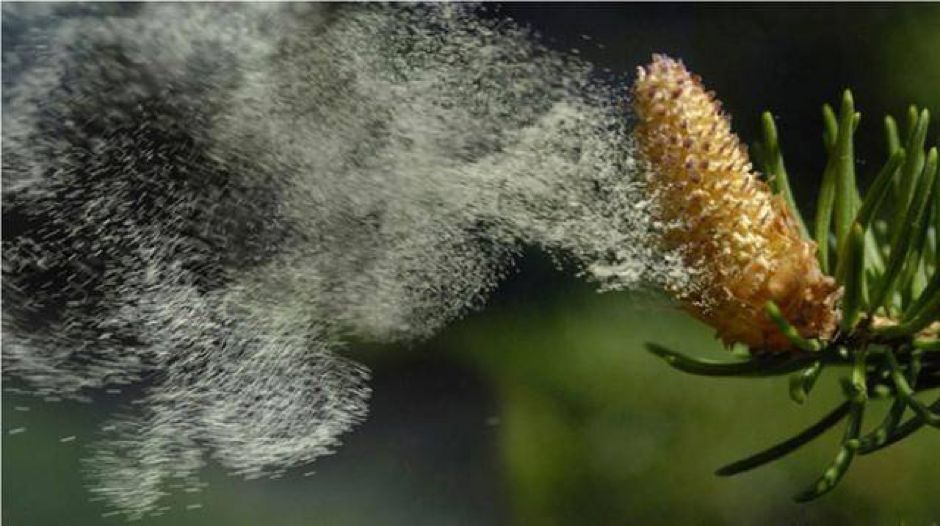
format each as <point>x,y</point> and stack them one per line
<point>900,433</point>
<point>874,261</point>
<point>928,295</point>
<point>851,274</point>
<point>802,382</point>
<point>911,171</point>
<point>836,192</point>
<point>867,212</point>
<point>892,140</point>
<point>855,390</point>
<point>903,239</point>
<point>774,364</point>
<point>844,158</point>
<point>879,189</point>
<point>936,225</point>
<point>843,459</point>
<point>878,235</point>
<point>787,446</point>
<point>830,127</point>
<point>919,315</point>
<point>911,282</point>
<point>906,392</point>
<point>772,156</point>
<point>893,143</point>
<point>879,436</point>
<point>789,331</point>
<point>912,115</point>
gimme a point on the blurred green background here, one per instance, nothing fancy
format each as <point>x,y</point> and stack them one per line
<point>543,408</point>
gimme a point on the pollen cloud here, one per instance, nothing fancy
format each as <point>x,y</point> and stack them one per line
<point>215,197</point>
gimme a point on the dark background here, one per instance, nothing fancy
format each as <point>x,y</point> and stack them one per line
<point>543,408</point>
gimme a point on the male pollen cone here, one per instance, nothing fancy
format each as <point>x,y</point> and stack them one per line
<point>723,219</point>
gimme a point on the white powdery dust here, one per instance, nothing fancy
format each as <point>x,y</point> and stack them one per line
<point>213,199</point>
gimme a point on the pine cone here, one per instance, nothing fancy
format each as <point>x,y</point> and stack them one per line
<point>723,219</point>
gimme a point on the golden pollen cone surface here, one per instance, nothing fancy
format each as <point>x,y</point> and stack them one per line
<point>723,219</point>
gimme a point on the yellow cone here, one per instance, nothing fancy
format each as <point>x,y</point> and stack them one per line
<point>723,219</point>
